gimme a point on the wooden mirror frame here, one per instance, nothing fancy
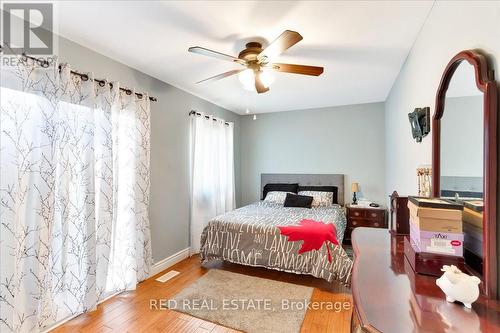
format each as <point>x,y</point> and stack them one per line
<point>486,84</point>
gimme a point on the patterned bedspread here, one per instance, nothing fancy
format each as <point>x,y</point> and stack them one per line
<point>249,236</point>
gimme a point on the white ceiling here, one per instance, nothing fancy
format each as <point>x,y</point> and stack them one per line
<point>362,45</point>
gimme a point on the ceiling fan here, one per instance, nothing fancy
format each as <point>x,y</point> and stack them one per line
<point>258,61</point>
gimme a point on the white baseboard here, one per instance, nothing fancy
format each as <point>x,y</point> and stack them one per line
<point>157,268</point>
<point>169,261</point>
<point>62,322</point>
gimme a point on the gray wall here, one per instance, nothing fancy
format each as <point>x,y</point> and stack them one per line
<point>450,28</point>
<point>169,206</point>
<point>345,139</point>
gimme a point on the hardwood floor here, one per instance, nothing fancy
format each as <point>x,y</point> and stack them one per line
<point>130,311</point>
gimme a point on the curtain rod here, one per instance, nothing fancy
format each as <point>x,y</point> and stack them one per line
<point>44,63</point>
<point>207,117</point>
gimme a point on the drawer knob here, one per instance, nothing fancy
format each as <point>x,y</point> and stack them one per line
<point>356,213</point>
<point>354,223</point>
<point>376,224</point>
<point>374,214</point>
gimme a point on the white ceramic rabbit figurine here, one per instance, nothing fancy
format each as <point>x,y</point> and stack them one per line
<point>458,286</point>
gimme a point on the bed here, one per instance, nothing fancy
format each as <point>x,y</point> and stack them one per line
<point>250,235</point>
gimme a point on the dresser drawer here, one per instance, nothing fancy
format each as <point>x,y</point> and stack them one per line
<point>375,214</point>
<point>372,214</point>
<point>357,212</point>
<point>357,222</point>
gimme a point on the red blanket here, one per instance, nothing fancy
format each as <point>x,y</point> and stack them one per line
<point>313,233</point>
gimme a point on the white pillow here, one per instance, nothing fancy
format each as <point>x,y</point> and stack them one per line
<point>276,197</point>
<point>320,199</point>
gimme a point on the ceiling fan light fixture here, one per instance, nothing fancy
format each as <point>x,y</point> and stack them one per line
<point>257,62</point>
<point>266,77</point>
<point>247,79</point>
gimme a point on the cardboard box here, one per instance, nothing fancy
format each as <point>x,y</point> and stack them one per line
<point>423,234</point>
<point>473,239</point>
<point>434,213</point>
<point>473,217</point>
<point>476,205</point>
<point>429,263</point>
<point>438,242</point>
<point>435,203</point>
<point>437,225</point>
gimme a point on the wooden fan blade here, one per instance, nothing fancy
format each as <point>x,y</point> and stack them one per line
<point>297,69</point>
<point>215,54</point>
<point>259,86</point>
<point>223,75</point>
<point>286,40</point>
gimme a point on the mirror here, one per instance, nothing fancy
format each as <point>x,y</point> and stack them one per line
<point>464,157</point>
<point>462,137</point>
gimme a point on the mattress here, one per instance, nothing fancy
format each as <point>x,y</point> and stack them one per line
<point>249,236</point>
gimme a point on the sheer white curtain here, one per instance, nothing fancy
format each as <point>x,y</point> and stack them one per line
<point>74,194</point>
<point>212,168</point>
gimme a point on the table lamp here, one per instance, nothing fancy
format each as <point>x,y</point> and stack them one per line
<point>354,189</point>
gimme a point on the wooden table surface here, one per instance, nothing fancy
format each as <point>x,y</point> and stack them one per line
<point>389,297</point>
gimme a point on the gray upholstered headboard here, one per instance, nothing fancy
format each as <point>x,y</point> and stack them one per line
<point>306,180</point>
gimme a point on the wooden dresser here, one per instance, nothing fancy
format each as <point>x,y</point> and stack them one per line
<point>362,216</point>
<point>399,215</point>
<point>389,297</point>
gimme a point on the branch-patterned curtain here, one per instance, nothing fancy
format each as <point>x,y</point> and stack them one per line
<point>74,194</point>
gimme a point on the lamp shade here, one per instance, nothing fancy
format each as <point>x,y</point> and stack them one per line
<point>247,78</point>
<point>354,187</point>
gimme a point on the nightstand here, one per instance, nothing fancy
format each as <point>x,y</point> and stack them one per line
<point>363,216</point>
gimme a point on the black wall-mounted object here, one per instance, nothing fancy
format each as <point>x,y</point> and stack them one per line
<point>420,121</point>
